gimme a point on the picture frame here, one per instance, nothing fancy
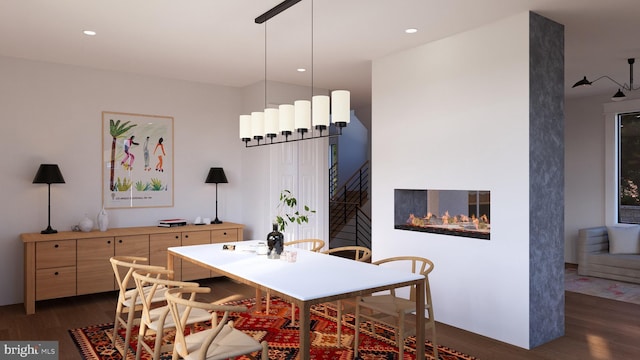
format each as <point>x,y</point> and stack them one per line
<point>137,160</point>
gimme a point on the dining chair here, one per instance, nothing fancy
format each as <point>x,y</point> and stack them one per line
<point>314,245</point>
<point>221,341</point>
<point>392,310</point>
<point>129,302</point>
<point>155,318</point>
<point>358,253</point>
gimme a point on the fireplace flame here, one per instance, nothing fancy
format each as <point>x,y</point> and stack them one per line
<point>464,221</point>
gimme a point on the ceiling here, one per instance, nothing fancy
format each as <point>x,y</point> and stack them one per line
<point>217,41</point>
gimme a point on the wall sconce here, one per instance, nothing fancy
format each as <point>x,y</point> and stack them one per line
<point>619,95</point>
<point>49,174</point>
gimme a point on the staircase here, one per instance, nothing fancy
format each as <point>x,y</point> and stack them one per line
<point>348,224</point>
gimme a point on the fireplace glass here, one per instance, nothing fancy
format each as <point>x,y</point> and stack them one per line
<point>464,213</point>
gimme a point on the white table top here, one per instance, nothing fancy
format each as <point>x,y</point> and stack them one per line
<point>312,276</point>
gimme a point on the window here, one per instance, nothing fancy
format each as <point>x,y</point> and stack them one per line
<point>629,168</point>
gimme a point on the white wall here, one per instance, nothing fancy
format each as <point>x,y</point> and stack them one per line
<point>353,149</point>
<point>584,169</point>
<point>453,114</point>
<point>52,114</point>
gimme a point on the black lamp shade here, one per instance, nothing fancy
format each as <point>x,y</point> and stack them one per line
<point>49,174</point>
<point>583,82</point>
<point>216,176</point>
<point>619,96</point>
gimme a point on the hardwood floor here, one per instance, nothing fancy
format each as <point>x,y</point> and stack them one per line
<point>595,328</point>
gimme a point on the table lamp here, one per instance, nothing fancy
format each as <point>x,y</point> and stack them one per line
<point>216,176</point>
<point>49,174</point>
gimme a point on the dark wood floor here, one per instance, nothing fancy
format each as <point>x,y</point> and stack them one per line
<point>596,328</point>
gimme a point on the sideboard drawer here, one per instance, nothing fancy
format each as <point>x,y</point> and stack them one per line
<point>218,236</point>
<point>55,282</point>
<point>52,254</point>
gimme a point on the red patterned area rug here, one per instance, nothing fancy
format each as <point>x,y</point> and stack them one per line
<point>94,342</point>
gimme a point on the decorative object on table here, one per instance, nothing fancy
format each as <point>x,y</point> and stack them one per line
<point>137,161</point>
<point>172,222</point>
<point>103,220</point>
<point>49,174</point>
<point>275,240</point>
<point>262,249</point>
<point>288,212</point>
<point>85,224</point>
<point>216,176</point>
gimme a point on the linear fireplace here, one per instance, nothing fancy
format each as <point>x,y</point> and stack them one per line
<point>449,212</point>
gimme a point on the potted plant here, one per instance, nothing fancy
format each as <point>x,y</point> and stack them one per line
<point>288,212</point>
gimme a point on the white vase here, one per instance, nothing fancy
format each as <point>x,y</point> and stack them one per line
<point>86,224</point>
<point>103,220</point>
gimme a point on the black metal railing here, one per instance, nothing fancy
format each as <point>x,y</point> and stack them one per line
<point>348,224</point>
<point>356,231</point>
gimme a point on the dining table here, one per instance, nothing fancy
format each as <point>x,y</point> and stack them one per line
<point>313,278</point>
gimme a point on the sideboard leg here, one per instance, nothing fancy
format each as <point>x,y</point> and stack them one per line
<point>30,278</point>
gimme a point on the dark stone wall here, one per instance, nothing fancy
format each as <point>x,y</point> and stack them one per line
<point>546,180</point>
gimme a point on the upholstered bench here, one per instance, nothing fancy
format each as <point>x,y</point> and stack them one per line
<point>610,252</point>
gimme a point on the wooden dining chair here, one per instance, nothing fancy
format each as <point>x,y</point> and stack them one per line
<point>129,302</point>
<point>392,310</point>
<point>156,318</point>
<point>221,341</point>
<point>314,245</point>
<point>357,253</point>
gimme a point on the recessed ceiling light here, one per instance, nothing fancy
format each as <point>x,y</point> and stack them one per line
<point>89,32</point>
<point>411,31</point>
<point>302,69</point>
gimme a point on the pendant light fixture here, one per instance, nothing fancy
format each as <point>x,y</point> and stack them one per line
<point>308,118</point>
<point>286,119</point>
<point>271,122</point>
<point>619,95</point>
<point>320,112</point>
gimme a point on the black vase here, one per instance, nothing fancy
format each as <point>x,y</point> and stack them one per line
<point>274,240</point>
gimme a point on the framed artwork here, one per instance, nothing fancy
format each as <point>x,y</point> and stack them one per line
<point>137,160</point>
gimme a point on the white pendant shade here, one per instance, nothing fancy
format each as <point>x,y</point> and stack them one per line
<point>271,122</point>
<point>286,118</point>
<point>257,125</point>
<point>302,114</point>
<point>340,106</point>
<point>245,127</point>
<point>320,110</point>
<point>301,120</point>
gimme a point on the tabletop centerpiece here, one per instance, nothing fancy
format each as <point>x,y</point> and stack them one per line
<point>288,213</point>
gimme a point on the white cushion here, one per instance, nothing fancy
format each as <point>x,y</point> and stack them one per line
<point>624,239</point>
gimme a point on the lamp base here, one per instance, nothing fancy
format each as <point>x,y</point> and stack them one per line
<point>216,221</point>
<point>49,230</point>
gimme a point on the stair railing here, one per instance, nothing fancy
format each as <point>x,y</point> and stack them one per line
<point>345,205</point>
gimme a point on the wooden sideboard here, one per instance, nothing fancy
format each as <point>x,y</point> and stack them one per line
<point>73,263</point>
